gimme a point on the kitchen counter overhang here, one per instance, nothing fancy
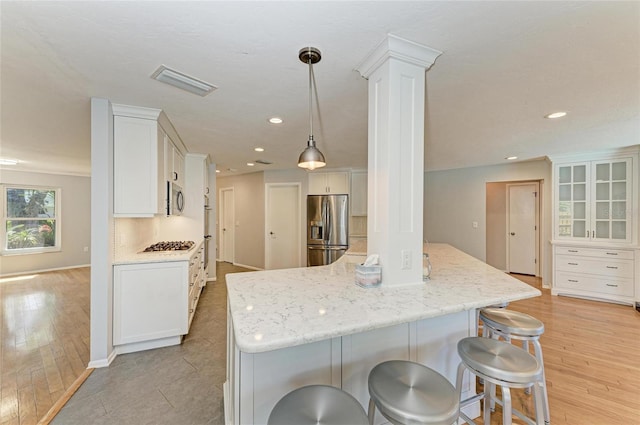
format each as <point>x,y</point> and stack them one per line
<point>276,309</point>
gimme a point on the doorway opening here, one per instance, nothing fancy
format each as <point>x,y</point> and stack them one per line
<point>514,226</point>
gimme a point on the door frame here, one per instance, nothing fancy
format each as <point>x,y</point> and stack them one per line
<point>267,250</point>
<point>221,216</point>
<point>537,220</point>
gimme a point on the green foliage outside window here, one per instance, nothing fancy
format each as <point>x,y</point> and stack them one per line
<point>31,220</point>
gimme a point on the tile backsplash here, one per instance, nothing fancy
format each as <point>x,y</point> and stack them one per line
<point>134,234</point>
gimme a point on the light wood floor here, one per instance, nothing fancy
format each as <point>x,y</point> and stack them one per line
<point>591,349</point>
<point>44,341</point>
<point>591,357</point>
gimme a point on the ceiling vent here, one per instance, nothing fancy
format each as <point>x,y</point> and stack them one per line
<point>263,162</point>
<point>182,81</point>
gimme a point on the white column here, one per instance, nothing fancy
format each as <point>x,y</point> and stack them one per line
<point>396,74</point>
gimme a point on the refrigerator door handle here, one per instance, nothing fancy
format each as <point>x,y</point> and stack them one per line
<point>327,248</point>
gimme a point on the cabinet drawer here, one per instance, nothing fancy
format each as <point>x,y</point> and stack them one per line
<point>617,254</point>
<point>602,285</point>
<point>589,265</point>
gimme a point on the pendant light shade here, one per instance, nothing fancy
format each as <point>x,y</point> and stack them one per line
<point>311,158</point>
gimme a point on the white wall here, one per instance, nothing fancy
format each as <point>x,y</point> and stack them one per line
<point>75,222</point>
<point>456,198</point>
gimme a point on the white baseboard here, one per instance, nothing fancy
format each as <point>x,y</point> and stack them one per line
<point>45,270</point>
<point>103,362</point>
<point>247,267</point>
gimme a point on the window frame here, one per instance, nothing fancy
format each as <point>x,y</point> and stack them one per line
<point>4,251</point>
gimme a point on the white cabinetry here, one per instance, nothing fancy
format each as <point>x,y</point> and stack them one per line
<point>145,156</point>
<point>328,183</point>
<point>595,224</point>
<point>154,303</point>
<point>593,200</point>
<point>138,160</point>
<point>358,193</point>
<point>174,163</point>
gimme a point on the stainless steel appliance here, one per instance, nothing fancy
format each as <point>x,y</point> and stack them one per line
<point>207,236</point>
<point>175,199</point>
<point>327,228</point>
<point>170,246</point>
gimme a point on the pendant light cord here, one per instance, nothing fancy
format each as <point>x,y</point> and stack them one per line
<point>310,102</point>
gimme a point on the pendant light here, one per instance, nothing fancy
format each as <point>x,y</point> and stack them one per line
<point>311,158</point>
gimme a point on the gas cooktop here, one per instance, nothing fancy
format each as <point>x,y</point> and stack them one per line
<point>170,246</point>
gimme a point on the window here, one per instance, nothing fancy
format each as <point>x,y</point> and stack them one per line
<point>31,219</point>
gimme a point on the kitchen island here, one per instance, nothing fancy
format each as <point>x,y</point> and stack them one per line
<point>295,327</point>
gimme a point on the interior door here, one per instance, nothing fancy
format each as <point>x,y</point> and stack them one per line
<point>282,226</point>
<point>227,219</point>
<point>522,239</point>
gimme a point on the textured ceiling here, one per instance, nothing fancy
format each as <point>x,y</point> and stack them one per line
<point>504,66</point>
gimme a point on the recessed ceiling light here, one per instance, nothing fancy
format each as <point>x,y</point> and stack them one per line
<point>259,149</point>
<point>8,161</point>
<point>217,171</point>
<point>250,164</point>
<point>558,114</point>
<point>511,158</point>
<point>182,81</point>
<point>275,120</point>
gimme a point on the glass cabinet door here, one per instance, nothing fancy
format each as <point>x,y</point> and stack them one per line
<point>572,196</point>
<point>611,203</point>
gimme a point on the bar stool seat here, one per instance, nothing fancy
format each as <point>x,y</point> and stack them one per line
<point>510,324</point>
<point>500,363</point>
<point>318,404</point>
<point>409,393</point>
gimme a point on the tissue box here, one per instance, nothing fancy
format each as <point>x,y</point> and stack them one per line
<point>368,276</point>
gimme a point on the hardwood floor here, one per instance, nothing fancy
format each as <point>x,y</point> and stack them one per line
<point>591,349</point>
<point>591,356</point>
<point>44,341</point>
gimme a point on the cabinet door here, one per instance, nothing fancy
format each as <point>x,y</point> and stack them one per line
<point>572,201</point>
<point>358,194</point>
<point>178,167</point>
<point>150,301</point>
<point>611,201</point>
<point>338,183</point>
<point>135,156</point>
<point>317,184</point>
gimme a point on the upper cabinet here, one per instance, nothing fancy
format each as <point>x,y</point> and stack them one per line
<point>174,162</point>
<point>359,193</point>
<point>593,200</point>
<point>138,167</point>
<point>328,183</point>
<point>145,157</point>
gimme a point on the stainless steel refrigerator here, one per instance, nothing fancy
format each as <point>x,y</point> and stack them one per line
<point>327,228</point>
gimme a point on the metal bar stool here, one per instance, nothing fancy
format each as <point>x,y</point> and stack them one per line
<point>409,393</point>
<point>317,404</point>
<point>510,324</point>
<point>500,363</point>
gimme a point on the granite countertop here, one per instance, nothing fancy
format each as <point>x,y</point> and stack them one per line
<point>282,308</point>
<point>156,256</point>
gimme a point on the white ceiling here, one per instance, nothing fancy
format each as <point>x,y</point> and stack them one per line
<point>504,66</point>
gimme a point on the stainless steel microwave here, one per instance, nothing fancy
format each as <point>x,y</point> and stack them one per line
<point>175,199</point>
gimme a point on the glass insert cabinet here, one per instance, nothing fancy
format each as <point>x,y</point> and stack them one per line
<point>593,200</point>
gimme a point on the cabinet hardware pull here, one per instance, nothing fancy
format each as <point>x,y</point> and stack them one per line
<point>175,176</point>
<point>573,250</point>
<point>610,284</point>
<point>612,253</point>
<point>573,280</point>
<point>612,267</point>
<point>572,264</point>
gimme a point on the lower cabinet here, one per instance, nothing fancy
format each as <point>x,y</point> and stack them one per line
<point>256,381</point>
<point>597,273</point>
<point>154,303</point>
